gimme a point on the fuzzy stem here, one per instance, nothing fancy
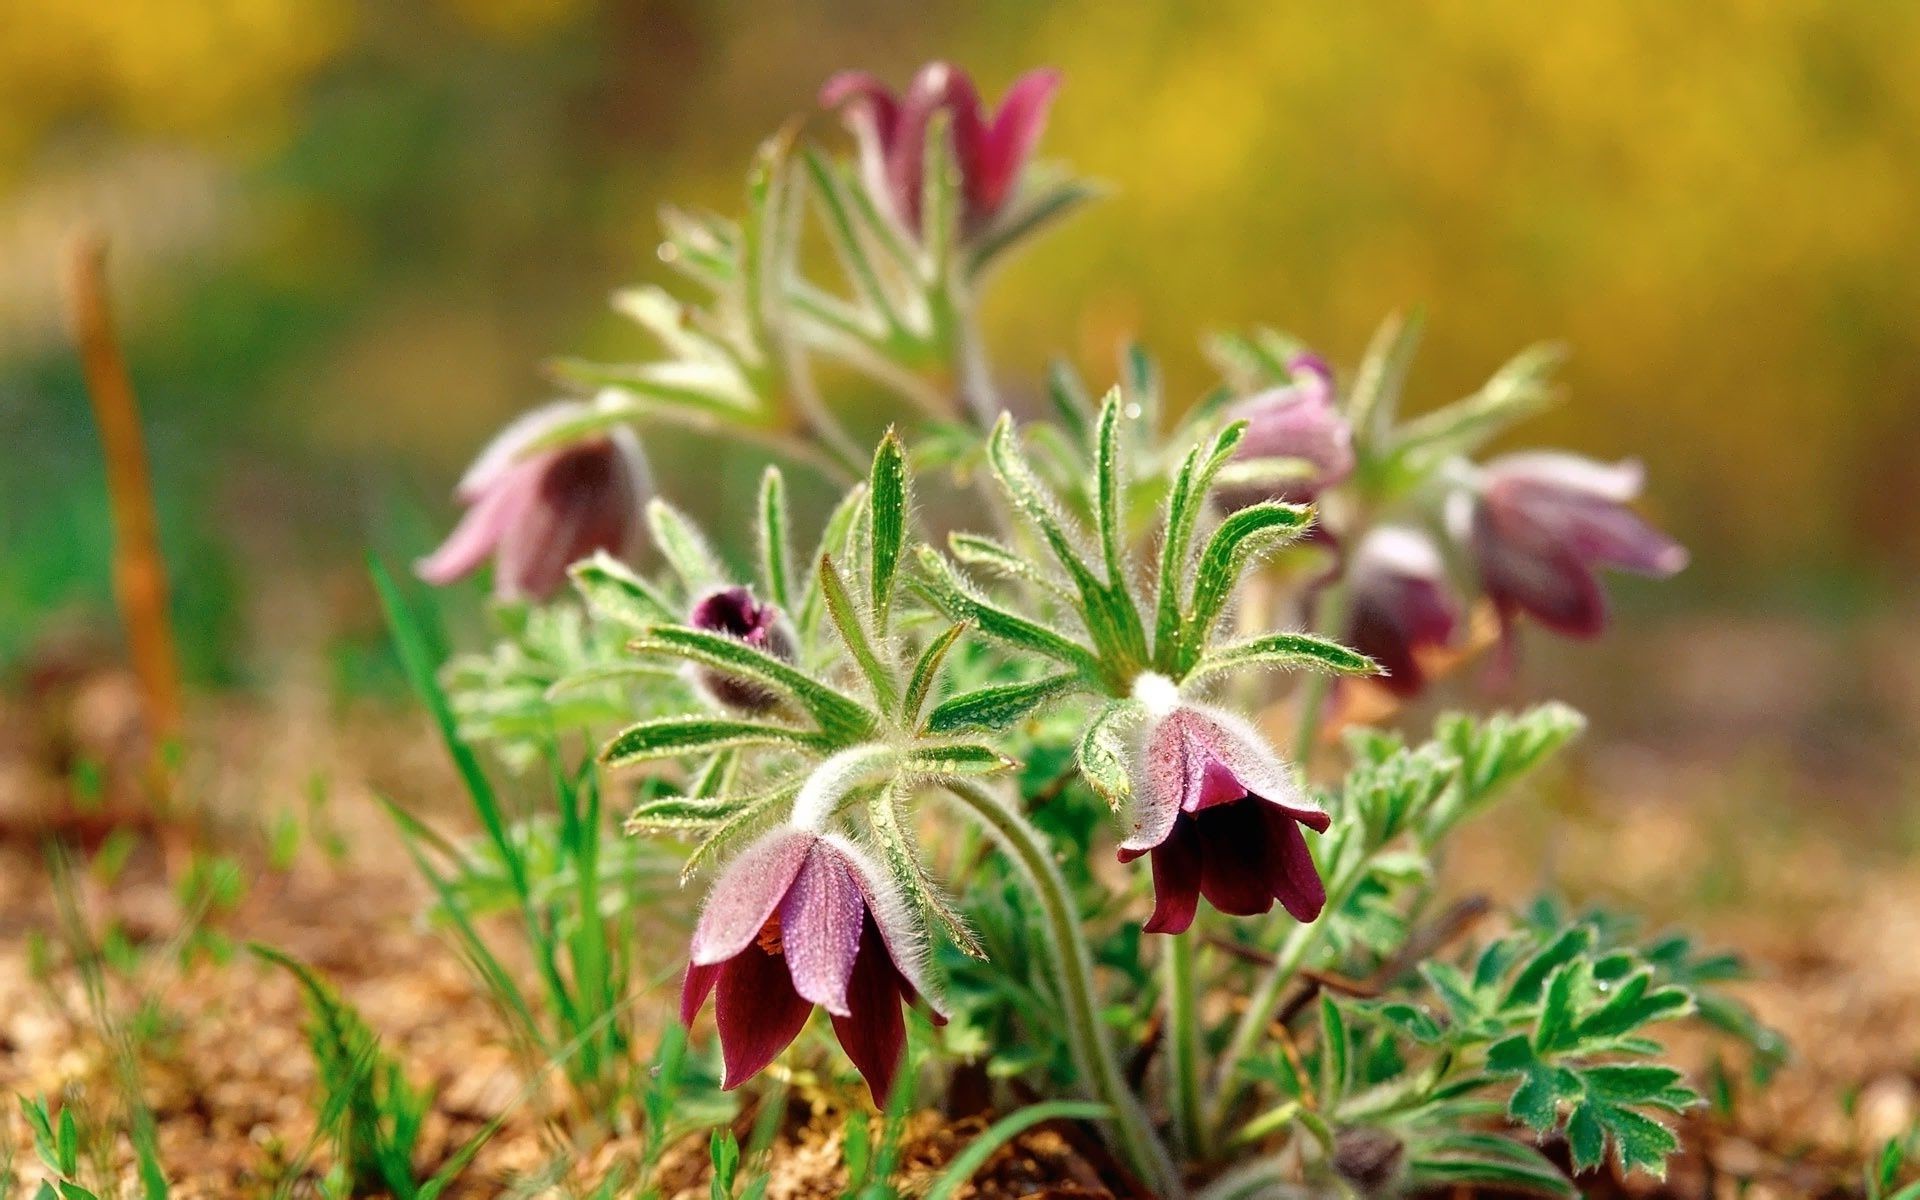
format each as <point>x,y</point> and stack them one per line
<point>1183,1041</point>
<point>1265,1002</point>
<point>1313,696</point>
<point>1093,1054</point>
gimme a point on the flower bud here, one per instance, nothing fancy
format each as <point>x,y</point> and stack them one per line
<point>1400,604</point>
<point>535,512</point>
<point>1539,526</point>
<point>891,132</point>
<point>734,612</point>
<point>1298,432</point>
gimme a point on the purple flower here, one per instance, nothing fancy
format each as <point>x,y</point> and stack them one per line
<point>734,611</point>
<point>1400,604</point>
<point>891,132</point>
<point>800,919</point>
<point>1540,525</point>
<point>537,512</point>
<point>1297,425</point>
<point>1221,816</point>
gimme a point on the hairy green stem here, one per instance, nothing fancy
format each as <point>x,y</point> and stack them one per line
<point>1183,1041</point>
<point>1093,1054</point>
<point>1264,1005</point>
<point>1313,695</point>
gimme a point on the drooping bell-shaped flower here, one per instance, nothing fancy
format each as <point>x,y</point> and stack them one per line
<point>1400,604</point>
<point>991,150</point>
<point>1220,814</point>
<point>735,612</point>
<point>798,919</point>
<point>1299,432</point>
<point>1540,525</point>
<point>536,509</point>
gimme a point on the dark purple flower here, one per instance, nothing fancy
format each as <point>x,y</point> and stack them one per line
<point>800,919</point>
<point>536,512</point>
<point>1221,816</point>
<point>1400,604</point>
<point>734,611</point>
<point>891,131</point>
<point>1298,431</point>
<point>1540,525</point>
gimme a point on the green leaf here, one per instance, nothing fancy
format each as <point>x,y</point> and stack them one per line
<point>1635,1003</point>
<point>1641,1142</point>
<point>969,1161</point>
<point>1102,753</point>
<point>902,857</point>
<point>680,543</point>
<point>1239,537</point>
<point>1110,491</point>
<point>1070,402</point>
<point>1031,213</point>
<point>957,758</point>
<point>998,706</point>
<point>1373,403</point>
<point>925,671</point>
<point>776,556</point>
<point>1336,1048</point>
<point>887,498</point>
<point>678,737</point>
<point>613,591</point>
<point>1184,505</point>
<point>839,209</point>
<point>1286,651</point>
<point>977,550</point>
<point>843,718</point>
<point>846,619</point>
<point>724,1151</point>
<point>1465,1159</point>
<point>1586,1138</point>
<point>946,591</point>
<point>1517,390</point>
<point>1570,944</point>
<point>674,815</point>
<point>757,812</point>
<point>833,540</point>
<point>1109,613</point>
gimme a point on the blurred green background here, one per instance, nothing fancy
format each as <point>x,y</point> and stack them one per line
<point>347,232</point>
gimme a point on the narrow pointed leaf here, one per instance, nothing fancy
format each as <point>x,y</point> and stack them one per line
<point>612,590</point>
<point>676,737</point>
<point>956,758</point>
<point>1184,506</point>
<point>947,592</point>
<point>901,854</point>
<point>846,619</point>
<point>887,499</point>
<point>1286,651</point>
<point>685,550</point>
<point>841,717</point>
<point>926,671</point>
<point>999,706</point>
<point>1233,544</point>
<point>776,554</point>
<point>1102,751</point>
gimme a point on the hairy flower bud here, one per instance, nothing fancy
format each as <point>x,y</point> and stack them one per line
<point>536,512</point>
<point>734,611</point>
<point>891,133</point>
<point>1369,1160</point>
<point>1539,527</point>
<point>1298,432</point>
<point>800,919</point>
<point>1400,604</point>
<point>1220,814</point>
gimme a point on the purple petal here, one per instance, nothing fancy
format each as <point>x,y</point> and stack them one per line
<point>820,923</point>
<point>1239,749</point>
<point>695,989</point>
<point>745,896</point>
<point>1547,582</point>
<point>899,928</point>
<point>758,1013</point>
<point>1176,880</point>
<point>1011,140</point>
<point>872,112</point>
<point>1296,881</point>
<point>1400,604</point>
<point>475,537</point>
<point>874,1033</point>
<point>584,501</point>
<point>1235,869</point>
<point>1617,483</point>
<point>937,86</point>
<point>507,448</point>
<point>1165,773</point>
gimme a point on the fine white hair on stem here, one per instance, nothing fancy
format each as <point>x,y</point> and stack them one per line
<point>834,780</point>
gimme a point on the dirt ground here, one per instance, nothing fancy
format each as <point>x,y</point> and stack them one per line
<point>1809,873</point>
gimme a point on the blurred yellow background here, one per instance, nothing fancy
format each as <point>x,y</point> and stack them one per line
<point>349,232</point>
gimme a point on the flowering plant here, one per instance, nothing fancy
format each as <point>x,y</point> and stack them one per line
<point>920,765</point>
